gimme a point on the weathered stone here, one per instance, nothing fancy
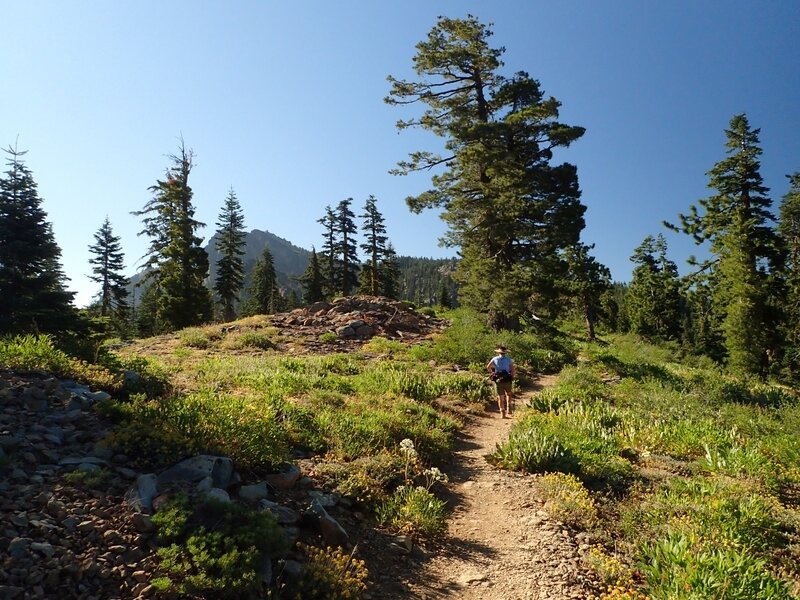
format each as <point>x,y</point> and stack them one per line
<point>19,547</point>
<point>283,514</point>
<point>332,532</point>
<point>43,548</point>
<point>284,480</point>
<point>84,460</point>
<point>326,500</point>
<point>140,496</point>
<point>218,494</point>
<point>219,468</point>
<point>255,492</point>
<point>9,592</point>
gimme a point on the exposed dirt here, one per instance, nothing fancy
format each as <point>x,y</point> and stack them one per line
<point>501,543</point>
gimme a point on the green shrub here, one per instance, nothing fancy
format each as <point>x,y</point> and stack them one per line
<point>676,568</point>
<point>251,339</point>
<point>414,511</point>
<point>328,337</point>
<point>330,574</point>
<point>568,500</point>
<point>199,337</point>
<point>215,548</point>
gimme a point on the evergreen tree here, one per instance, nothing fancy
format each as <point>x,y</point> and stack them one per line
<point>346,248</point>
<point>177,263</point>
<point>374,248</point>
<point>312,280</point>
<point>789,230</point>
<point>389,273</point>
<point>508,209</point>
<point>586,282</point>
<point>443,296</point>
<point>264,297</point>
<point>329,270</point>
<point>744,248</point>
<point>32,293</point>
<point>230,244</point>
<point>653,299</point>
<point>108,262</point>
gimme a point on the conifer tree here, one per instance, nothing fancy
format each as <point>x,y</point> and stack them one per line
<point>32,293</point>
<point>230,244</point>
<point>586,282</point>
<point>789,230</point>
<point>328,254</point>
<point>346,248</point>
<point>374,248</point>
<point>443,295</point>
<point>108,262</point>
<point>744,248</point>
<point>177,263</point>
<point>312,280</point>
<point>509,210</point>
<point>389,271</point>
<point>263,295</point>
<point>653,298</point>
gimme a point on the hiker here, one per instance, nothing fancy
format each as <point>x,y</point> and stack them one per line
<point>502,371</point>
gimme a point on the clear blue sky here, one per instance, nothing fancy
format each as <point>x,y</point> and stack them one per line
<point>283,102</point>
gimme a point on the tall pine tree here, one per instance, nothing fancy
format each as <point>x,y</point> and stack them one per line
<point>374,248</point>
<point>230,245</point>
<point>509,210</point>
<point>653,298</point>
<point>263,295</point>
<point>32,293</point>
<point>346,248</point>
<point>328,254</point>
<point>587,280</point>
<point>312,280</point>
<point>177,263</point>
<point>789,230</point>
<point>107,262</point>
<point>744,248</point>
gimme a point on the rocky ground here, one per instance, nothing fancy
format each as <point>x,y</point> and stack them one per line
<point>74,516</point>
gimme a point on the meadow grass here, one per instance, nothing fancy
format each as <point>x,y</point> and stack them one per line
<point>695,473</point>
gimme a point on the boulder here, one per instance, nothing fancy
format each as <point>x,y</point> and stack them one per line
<point>284,480</point>
<point>219,468</point>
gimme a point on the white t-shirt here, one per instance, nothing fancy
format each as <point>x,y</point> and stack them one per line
<point>502,363</point>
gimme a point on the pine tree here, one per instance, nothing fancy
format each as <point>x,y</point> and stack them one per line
<point>389,272</point>
<point>508,209</point>
<point>177,263</point>
<point>264,297</point>
<point>328,254</point>
<point>789,230</point>
<point>32,293</point>
<point>346,248</point>
<point>374,248</point>
<point>653,298</point>
<point>586,282</point>
<point>108,262</point>
<point>230,244</point>
<point>312,280</point>
<point>744,248</point>
<point>443,296</point>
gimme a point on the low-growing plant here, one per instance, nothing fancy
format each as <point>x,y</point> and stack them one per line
<point>96,479</point>
<point>199,337</point>
<point>617,576</point>
<point>567,500</point>
<point>329,574</point>
<point>414,511</point>
<point>382,345</point>
<point>215,548</point>
<point>250,339</point>
<point>678,568</point>
<point>328,337</point>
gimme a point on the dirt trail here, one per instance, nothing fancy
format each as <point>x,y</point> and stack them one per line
<point>502,544</point>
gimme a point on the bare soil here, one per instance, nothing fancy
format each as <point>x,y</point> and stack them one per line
<point>501,543</point>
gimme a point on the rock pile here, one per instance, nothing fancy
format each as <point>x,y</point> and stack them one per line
<point>60,538</point>
<point>362,317</point>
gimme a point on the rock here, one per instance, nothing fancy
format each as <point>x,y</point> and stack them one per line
<point>143,523</point>
<point>218,494</point>
<point>219,468</point>
<point>255,492</point>
<point>470,577</point>
<point>206,484</point>
<point>283,514</point>
<point>326,500</point>
<point>9,592</point>
<point>43,548</point>
<point>284,480</point>
<point>140,496</point>
<point>19,547</point>
<point>332,532</point>
<point>85,460</point>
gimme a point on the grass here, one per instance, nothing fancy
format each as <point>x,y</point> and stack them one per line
<point>693,473</point>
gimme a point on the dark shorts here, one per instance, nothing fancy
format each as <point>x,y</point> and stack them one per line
<point>504,387</point>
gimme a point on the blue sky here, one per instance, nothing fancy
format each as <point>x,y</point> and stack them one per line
<point>283,102</point>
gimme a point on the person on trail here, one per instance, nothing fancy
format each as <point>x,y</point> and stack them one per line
<point>502,371</point>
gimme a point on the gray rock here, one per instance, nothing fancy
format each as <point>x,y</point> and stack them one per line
<point>283,514</point>
<point>326,500</point>
<point>255,492</point>
<point>219,468</point>
<point>9,441</point>
<point>84,460</point>
<point>43,548</point>
<point>218,494</point>
<point>291,570</point>
<point>9,592</point>
<point>332,532</point>
<point>143,523</point>
<point>19,547</point>
<point>140,496</point>
<point>206,484</point>
<point>284,480</point>
<point>345,332</point>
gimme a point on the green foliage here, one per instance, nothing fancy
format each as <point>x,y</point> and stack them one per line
<point>653,298</point>
<point>263,295</point>
<point>330,574</point>
<point>32,284</point>
<point>230,242</point>
<point>676,568</point>
<point>215,548</point>
<point>199,337</point>
<point>366,479</point>
<point>108,264</point>
<point>328,337</point>
<point>414,510</point>
<point>567,500</point>
<point>250,339</point>
<point>39,352</point>
<point>507,208</point>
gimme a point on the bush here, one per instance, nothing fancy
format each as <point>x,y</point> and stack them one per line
<point>215,548</point>
<point>414,511</point>
<point>568,500</point>
<point>330,574</point>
